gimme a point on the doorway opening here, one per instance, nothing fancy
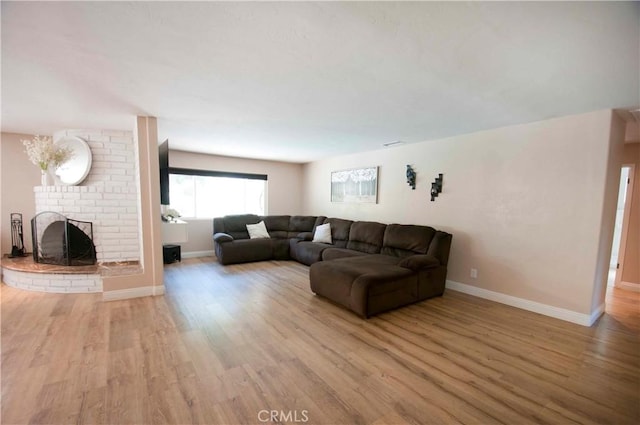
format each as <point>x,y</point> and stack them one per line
<point>616,264</point>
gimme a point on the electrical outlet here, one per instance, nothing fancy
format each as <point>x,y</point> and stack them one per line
<point>474,273</point>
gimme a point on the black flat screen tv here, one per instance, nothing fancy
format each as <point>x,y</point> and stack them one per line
<point>163,153</point>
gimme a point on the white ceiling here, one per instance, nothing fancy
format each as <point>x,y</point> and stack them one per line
<point>302,81</point>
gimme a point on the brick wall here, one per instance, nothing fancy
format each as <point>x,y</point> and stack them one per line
<point>108,197</point>
<point>47,282</point>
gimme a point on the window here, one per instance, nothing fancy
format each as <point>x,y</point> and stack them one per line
<point>208,194</point>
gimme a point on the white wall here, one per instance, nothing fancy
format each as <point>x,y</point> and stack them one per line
<point>524,203</point>
<point>284,189</point>
<point>631,260</point>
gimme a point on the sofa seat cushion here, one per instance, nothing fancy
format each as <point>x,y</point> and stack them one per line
<point>369,261</point>
<point>371,264</point>
<point>306,252</point>
<point>337,253</point>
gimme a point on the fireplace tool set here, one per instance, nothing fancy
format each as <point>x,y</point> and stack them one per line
<point>17,240</point>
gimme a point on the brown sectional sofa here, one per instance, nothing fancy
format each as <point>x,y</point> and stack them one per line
<point>232,244</point>
<point>369,268</point>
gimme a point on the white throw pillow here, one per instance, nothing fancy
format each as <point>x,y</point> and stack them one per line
<point>258,231</point>
<point>323,233</point>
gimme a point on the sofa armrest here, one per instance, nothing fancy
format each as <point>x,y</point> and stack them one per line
<point>419,261</point>
<point>222,237</point>
<point>305,236</point>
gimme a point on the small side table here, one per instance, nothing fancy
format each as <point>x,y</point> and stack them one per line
<point>173,233</point>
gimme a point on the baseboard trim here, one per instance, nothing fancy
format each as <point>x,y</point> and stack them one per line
<point>629,286</point>
<point>196,254</point>
<point>124,294</point>
<point>596,314</point>
<point>544,309</point>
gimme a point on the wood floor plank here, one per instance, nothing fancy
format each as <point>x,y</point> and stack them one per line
<point>243,343</point>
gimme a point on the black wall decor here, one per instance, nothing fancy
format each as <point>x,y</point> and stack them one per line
<point>436,187</point>
<point>17,240</point>
<point>411,177</point>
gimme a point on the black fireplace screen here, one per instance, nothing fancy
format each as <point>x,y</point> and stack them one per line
<point>60,240</point>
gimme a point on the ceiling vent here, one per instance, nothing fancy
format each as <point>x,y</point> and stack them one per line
<point>393,144</point>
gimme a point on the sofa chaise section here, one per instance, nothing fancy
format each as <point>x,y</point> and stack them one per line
<point>411,267</point>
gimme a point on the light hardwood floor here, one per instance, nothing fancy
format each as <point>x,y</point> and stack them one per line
<point>227,345</point>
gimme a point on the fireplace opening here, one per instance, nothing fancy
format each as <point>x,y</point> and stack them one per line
<point>62,241</point>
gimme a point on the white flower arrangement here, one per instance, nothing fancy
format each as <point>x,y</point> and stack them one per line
<point>171,214</point>
<point>43,152</point>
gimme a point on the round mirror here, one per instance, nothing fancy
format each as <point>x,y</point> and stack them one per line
<point>76,169</point>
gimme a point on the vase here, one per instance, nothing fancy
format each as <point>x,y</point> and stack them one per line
<point>44,178</point>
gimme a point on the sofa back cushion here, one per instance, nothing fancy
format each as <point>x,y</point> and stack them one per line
<point>339,231</point>
<point>440,246</point>
<point>366,236</point>
<point>277,225</point>
<point>402,240</point>
<point>302,223</point>
<point>236,225</point>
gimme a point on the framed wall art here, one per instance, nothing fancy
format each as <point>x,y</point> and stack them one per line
<point>358,185</point>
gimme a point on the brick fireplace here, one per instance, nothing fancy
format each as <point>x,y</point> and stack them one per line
<point>109,198</point>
